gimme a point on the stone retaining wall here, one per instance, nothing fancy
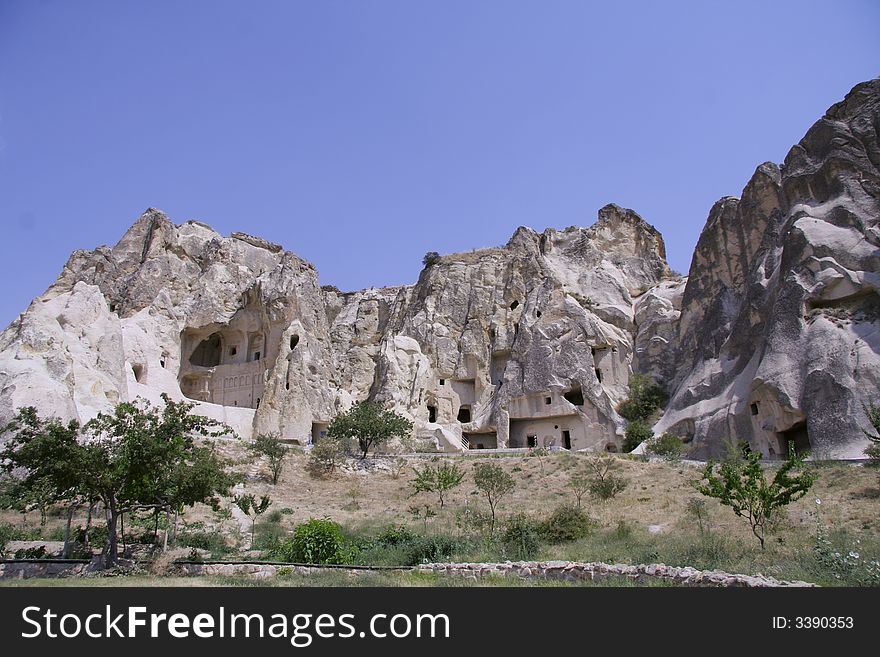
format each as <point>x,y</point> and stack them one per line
<point>558,570</point>
<point>578,571</point>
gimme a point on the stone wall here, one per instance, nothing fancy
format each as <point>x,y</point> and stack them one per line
<point>595,572</point>
<point>553,570</point>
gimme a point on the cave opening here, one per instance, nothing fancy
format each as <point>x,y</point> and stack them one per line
<point>464,414</point>
<point>207,353</point>
<point>574,396</point>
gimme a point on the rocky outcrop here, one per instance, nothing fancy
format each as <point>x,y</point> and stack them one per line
<point>778,336</point>
<point>526,344</point>
<point>771,338</point>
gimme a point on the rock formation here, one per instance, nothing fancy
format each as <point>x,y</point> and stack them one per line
<point>772,337</point>
<point>778,336</point>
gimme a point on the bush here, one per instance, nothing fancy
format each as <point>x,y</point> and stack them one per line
<point>316,541</point>
<point>431,258</point>
<point>668,446</point>
<point>637,432</point>
<point>607,488</point>
<point>400,546</point>
<point>520,537</point>
<point>567,523</point>
<point>213,542</point>
<point>645,397</point>
<point>268,535</point>
<point>325,456</point>
<point>396,535</point>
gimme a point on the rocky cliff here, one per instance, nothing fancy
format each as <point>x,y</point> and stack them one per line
<point>778,336</point>
<point>772,337</point>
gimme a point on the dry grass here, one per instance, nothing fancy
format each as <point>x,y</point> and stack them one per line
<point>648,521</point>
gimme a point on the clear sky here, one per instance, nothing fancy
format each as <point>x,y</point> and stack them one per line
<point>361,134</point>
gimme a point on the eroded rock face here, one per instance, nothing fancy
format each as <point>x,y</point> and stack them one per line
<point>526,344</point>
<point>772,336</point>
<point>779,325</point>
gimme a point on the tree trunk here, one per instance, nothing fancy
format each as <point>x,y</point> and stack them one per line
<point>111,548</point>
<point>167,527</point>
<point>88,526</point>
<point>174,535</point>
<point>122,529</point>
<point>65,553</point>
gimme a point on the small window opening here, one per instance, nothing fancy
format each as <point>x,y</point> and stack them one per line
<point>432,413</point>
<point>233,351</point>
<point>548,400</point>
<point>257,356</point>
<point>538,313</point>
<point>566,439</point>
<point>464,414</point>
<point>754,408</point>
<point>162,362</point>
<point>294,340</point>
<point>442,382</point>
<point>599,374</point>
<point>258,402</point>
<point>514,305</point>
<point>287,385</point>
<point>138,373</point>
<point>531,441</point>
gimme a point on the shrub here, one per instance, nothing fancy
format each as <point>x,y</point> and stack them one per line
<point>268,535</point>
<point>645,397</point>
<point>604,484</point>
<point>431,258</point>
<point>316,541</point>
<point>637,432</point>
<point>567,523</point>
<point>668,446</point>
<point>400,546</point>
<point>520,537</point>
<point>696,509</point>
<point>213,542</point>
<point>326,456</point>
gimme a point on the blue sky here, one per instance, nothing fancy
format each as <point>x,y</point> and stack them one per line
<point>362,134</point>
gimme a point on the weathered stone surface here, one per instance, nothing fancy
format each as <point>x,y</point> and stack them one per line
<point>771,337</point>
<point>778,336</point>
<point>472,352</point>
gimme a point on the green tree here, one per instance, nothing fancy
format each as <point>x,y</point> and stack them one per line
<point>580,486</point>
<point>370,424</point>
<point>494,483</point>
<point>645,397</point>
<point>668,446</point>
<point>274,451</point>
<point>604,484</point>
<point>872,451</point>
<point>741,484</point>
<point>251,507</point>
<point>438,480</point>
<point>47,459</point>
<point>637,432</point>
